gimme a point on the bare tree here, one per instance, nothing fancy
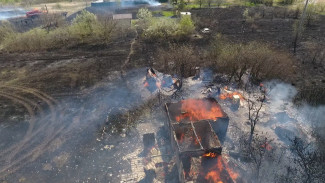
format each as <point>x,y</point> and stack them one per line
<point>258,152</point>
<point>309,161</point>
<point>299,29</point>
<point>219,2</point>
<point>200,2</point>
<point>179,59</point>
<point>254,108</point>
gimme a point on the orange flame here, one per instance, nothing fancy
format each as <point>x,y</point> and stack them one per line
<point>267,146</point>
<point>214,177</point>
<point>214,174</point>
<point>198,109</point>
<point>210,154</point>
<point>230,95</point>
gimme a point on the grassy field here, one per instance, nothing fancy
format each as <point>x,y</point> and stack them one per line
<point>70,7</point>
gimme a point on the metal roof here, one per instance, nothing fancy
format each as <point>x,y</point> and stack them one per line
<point>122,16</point>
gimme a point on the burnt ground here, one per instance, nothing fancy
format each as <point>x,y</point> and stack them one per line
<point>274,26</point>
<point>54,104</point>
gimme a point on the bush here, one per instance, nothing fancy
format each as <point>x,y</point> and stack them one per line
<point>169,29</point>
<point>144,13</point>
<point>178,59</point>
<point>320,7</point>
<point>32,40</point>
<point>5,29</point>
<point>311,14</point>
<point>287,2</point>
<point>84,25</point>
<point>52,21</point>
<point>259,60</point>
<point>265,2</point>
<point>162,28</point>
<point>85,28</point>
<point>186,25</point>
<point>144,17</point>
<point>9,1</point>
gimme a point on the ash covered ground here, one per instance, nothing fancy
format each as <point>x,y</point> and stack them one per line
<point>79,115</point>
<point>98,136</point>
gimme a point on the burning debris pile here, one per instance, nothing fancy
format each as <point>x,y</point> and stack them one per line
<point>161,83</point>
<point>195,127</point>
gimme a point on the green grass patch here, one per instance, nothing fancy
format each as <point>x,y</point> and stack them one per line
<point>249,4</point>
<point>191,6</point>
<point>164,13</point>
<point>168,13</point>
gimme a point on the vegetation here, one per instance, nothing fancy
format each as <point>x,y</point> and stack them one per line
<point>311,14</point>
<point>178,59</point>
<point>9,1</point>
<point>144,14</point>
<point>85,28</point>
<point>164,28</point>
<point>5,30</point>
<point>308,161</point>
<point>287,2</point>
<point>164,13</point>
<point>258,59</point>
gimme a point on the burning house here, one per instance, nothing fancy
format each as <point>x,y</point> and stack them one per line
<point>195,128</point>
<point>195,110</point>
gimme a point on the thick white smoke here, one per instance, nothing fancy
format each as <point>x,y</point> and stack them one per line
<point>309,117</point>
<point>7,13</point>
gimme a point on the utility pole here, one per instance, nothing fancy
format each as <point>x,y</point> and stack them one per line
<point>301,22</point>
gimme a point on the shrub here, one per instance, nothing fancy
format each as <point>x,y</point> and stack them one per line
<point>144,13</point>
<point>52,21</point>
<point>84,25</point>
<point>144,17</point>
<point>268,2</point>
<point>169,29</point>
<point>186,25</point>
<point>311,14</point>
<point>5,29</point>
<point>287,2</point>
<point>32,40</point>
<point>86,28</point>
<point>265,2</point>
<point>178,59</point>
<point>259,60</point>
<point>9,1</point>
<point>162,28</point>
<point>320,7</point>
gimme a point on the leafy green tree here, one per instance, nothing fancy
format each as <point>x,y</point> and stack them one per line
<point>181,5</point>
<point>84,24</point>
<point>144,14</point>
<point>186,25</point>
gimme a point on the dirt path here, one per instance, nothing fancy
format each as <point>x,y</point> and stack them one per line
<point>127,60</point>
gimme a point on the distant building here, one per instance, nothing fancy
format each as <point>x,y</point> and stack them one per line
<point>123,19</point>
<point>117,3</point>
<point>122,16</point>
